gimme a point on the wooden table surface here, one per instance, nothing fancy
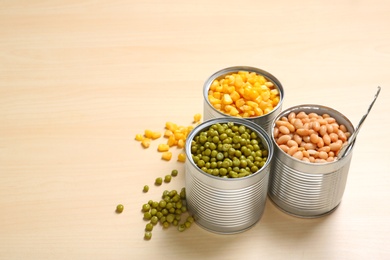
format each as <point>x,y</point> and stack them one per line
<point>79,79</point>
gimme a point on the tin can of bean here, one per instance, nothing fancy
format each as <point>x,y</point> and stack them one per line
<point>265,120</point>
<point>226,205</point>
<point>307,189</point>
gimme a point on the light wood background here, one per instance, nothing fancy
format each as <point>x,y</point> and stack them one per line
<point>79,79</point>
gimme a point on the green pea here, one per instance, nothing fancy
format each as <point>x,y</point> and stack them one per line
<point>174,173</point>
<point>149,227</point>
<point>145,207</point>
<point>146,188</point>
<point>167,178</point>
<point>148,235</point>
<point>158,181</point>
<point>119,208</point>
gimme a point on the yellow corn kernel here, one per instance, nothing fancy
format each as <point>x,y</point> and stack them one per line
<point>233,112</point>
<point>226,99</point>
<point>214,85</point>
<point>181,157</point>
<point>197,118</point>
<point>170,126</point>
<point>139,137</point>
<point>240,102</point>
<point>180,143</point>
<point>275,100</point>
<point>172,141</point>
<point>155,135</point>
<point>145,143</point>
<point>166,156</point>
<point>214,100</point>
<point>258,111</point>
<point>217,106</point>
<point>163,147</point>
<point>238,81</point>
<point>168,133</point>
<point>216,95</point>
<point>178,135</point>
<point>148,133</point>
<point>252,104</point>
<point>235,96</point>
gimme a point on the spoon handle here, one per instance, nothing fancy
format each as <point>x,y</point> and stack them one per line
<point>354,134</point>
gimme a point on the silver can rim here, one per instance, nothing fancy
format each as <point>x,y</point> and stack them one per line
<point>254,127</point>
<point>229,70</point>
<point>314,107</point>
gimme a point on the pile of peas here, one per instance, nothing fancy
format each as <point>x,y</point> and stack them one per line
<point>168,212</point>
<point>228,150</point>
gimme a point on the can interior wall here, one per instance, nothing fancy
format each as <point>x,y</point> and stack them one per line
<point>264,121</point>
<point>304,189</point>
<point>226,205</point>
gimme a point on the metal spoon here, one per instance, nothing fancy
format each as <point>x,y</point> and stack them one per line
<point>352,138</point>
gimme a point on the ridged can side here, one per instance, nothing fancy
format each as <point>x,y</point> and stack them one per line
<point>226,205</point>
<point>303,189</point>
<point>265,121</point>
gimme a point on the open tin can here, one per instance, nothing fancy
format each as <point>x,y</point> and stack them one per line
<point>226,205</point>
<point>306,189</point>
<point>209,112</point>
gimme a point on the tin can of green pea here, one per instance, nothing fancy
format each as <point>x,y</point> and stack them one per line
<point>265,120</point>
<point>227,205</point>
<point>305,189</point>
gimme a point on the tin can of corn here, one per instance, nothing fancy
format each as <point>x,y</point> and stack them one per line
<point>307,189</point>
<point>227,205</point>
<point>257,95</point>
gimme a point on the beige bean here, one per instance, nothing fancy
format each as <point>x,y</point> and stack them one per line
<point>297,139</point>
<point>284,147</point>
<point>326,139</point>
<point>316,126</point>
<point>301,115</point>
<point>347,134</point>
<point>302,131</point>
<point>325,115</point>
<point>330,159</point>
<point>306,139</point>
<point>306,126</point>
<point>323,130</point>
<point>298,123</point>
<point>343,128</point>
<point>292,150</point>
<point>342,136</point>
<point>285,119</point>
<point>284,130</point>
<point>312,115</point>
<point>291,116</point>
<point>310,146</point>
<point>311,159</point>
<point>311,152</point>
<point>335,127</point>
<point>305,154</point>
<point>318,160</point>
<point>330,120</point>
<point>306,159</point>
<point>291,143</point>
<point>322,121</point>
<point>335,146</point>
<point>290,127</point>
<point>329,128</point>
<point>305,120</point>
<point>324,149</point>
<point>283,139</point>
<point>298,155</point>
<point>331,154</point>
<point>323,155</point>
<point>333,137</point>
<point>320,142</point>
<point>314,138</point>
